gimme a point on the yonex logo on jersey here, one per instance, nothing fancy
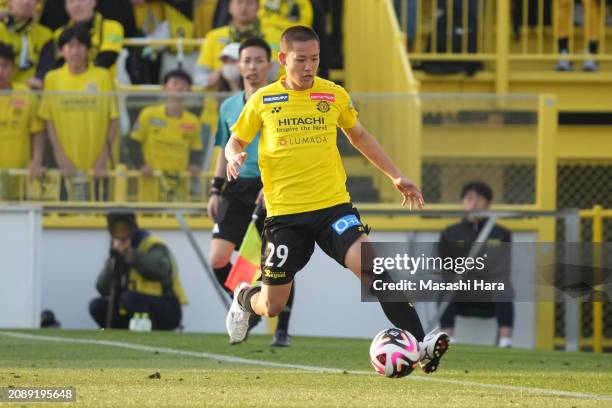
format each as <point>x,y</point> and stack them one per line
<point>276,98</point>
<point>276,109</point>
<point>329,97</point>
<point>345,223</point>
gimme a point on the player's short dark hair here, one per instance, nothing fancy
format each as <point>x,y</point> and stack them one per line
<point>121,217</point>
<point>7,52</point>
<point>256,42</point>
<point>479,187</point>
<point>298,34</point>
<point>178,73</point>
<point>79,32</point>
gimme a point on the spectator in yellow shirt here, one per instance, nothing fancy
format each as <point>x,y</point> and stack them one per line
<point>106,35</point>
<point>80,111</point>
<point>244,24</point>
<point>20,128</point>
<point>32,42</point>
<point>167,138</point>
<point>168,19</point>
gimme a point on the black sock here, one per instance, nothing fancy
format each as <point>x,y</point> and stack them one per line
<point>221,275</point>
<point>401,314</point>
<point>593,45</point>
<point>244,298</point>
<point>404,316</point>
<point>283,317</point>
<point>563,44</point>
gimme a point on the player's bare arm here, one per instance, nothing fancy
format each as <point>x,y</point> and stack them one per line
<point>235,156</point>
<point>99,169</point>
<point>363,141</point>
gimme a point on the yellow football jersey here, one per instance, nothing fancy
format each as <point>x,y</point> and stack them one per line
<point>18,121</point>
<point>300,164</point>
<point>36,37</point>
<point>80,107</point>
<point>106,35</point>
<point>280,13</point>
<point>151,14</point>
<point>166,140</point>
<point>217,39</point>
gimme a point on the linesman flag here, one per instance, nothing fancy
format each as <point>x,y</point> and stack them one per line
<point>246,267</point>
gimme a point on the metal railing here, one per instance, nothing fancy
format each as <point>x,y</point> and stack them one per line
<point>597,215</point>
<point>119,186</point>
<point>501,33</point>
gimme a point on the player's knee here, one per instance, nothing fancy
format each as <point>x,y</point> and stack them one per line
<point>219,259</point>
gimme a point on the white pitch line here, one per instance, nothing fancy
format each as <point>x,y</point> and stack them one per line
<point>240,360</point>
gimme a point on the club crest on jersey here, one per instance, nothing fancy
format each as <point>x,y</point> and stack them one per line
<point>276,98</point>
<point>319,96</point>
<point>345,223</point>
<point>323,107</point>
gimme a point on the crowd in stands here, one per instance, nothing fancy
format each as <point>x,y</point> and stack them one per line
<point>74,51</point>
<point>79,130</point>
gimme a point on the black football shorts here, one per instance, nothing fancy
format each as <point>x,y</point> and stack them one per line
<point>288,240</point>
<point>236,210</point>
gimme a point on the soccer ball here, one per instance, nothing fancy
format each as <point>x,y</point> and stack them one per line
<point>394,353</point>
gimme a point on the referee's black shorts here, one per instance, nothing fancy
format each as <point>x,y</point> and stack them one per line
<point>288,240</point>
<point>236,210</point>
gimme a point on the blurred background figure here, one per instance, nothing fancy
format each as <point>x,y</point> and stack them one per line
<point>106,35</point>
<point>81,127</point>
<point>277,15</point>
<point>243,24</point>
<point>48,320</point>
<point>476,196</point>
<point>21,137</point>
<point>591,21</point>
<point>31,41</point>
<point>139,276</point>
<point>167,138</point>
<point>169,19</point>
<point>230,72</point>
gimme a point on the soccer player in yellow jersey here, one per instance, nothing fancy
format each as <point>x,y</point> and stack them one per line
<point>80,112</point>
<point>167,137</point>
<point>304,188</point>
<point>19,122</point>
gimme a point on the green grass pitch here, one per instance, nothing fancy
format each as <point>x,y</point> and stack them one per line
<point>107,375</point>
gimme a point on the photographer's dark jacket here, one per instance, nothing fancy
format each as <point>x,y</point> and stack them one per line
<point>153,271</point>
<point>457,240</point>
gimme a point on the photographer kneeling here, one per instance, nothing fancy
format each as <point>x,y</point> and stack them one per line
<point>140,276</point>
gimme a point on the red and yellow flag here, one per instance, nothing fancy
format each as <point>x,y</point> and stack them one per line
<point>246,267</point>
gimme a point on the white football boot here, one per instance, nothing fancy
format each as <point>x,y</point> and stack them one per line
<point>432,348</point>
<point>237,321</point>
